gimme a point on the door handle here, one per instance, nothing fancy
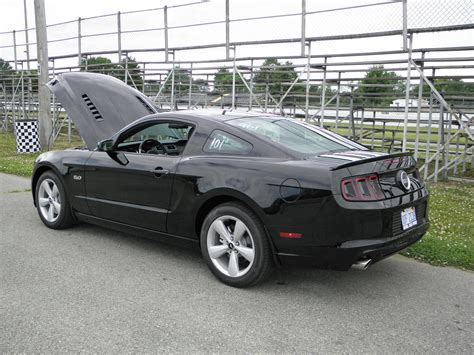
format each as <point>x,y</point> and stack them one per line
<point>159,172</point>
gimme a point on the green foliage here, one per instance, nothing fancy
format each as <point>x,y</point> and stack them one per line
<point>450,240</point>
<point>10,79</point>
<point>373,96</point>
<point>134,72</point>
<point>6,70</point>
<point>201,86</point>
<point>448,87</point>
<point>181,81</point>
<point>100,65</point>
<point>278,77</point>
<point>223,82</point>
<point>104,65</point>
<point>21,164</point>
<point>12,162</point>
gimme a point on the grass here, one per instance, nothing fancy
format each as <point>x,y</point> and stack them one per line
<point>15,163</point>
<point>449,242</point>
<point>12,162</point>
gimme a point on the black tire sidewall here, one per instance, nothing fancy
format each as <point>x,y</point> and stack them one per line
<point>262,249</point>
<point>64,219</point>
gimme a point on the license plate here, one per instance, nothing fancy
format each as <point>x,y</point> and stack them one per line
<point>408,218</point>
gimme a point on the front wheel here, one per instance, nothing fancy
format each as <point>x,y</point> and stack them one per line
<point>235,247</point>
<point>52,202</point>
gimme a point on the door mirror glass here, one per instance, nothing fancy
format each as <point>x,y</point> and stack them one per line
<point>105,145</point>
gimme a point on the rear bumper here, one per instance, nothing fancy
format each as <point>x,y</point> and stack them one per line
<point>344,256</point>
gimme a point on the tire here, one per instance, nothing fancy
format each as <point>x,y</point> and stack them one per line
<point>52,202</point>
<point>235,246</point>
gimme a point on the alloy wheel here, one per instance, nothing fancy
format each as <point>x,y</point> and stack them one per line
<point>49,200</point>
<point>230,246</point>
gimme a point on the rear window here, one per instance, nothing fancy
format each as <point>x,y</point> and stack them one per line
<point>223,142</point>
<point>290,134</point>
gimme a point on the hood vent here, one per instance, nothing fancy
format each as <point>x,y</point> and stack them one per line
<point>95,112</point>
<point>148,108</point>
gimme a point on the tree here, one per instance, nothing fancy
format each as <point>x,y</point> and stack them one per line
<point>201,86</point>
<point>6,74</point>
<point>100,65</point>
<point>223,82</point>
<point>379,87</point>
<point>181,81</point>
<point>276,76</point>
<point>134,72</point>
<point>457,88</point>
<point>105,66</point>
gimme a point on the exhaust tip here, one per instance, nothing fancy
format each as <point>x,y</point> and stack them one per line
<point>362,264</point>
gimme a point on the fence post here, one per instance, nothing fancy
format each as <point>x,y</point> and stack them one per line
<point>172,86</point>
<point>338,97</point>
<point>428,138</point>
<point>323,93</point>
<point>303,27</point>
<point>144,78</point>
<point>227,30</point>
<point>26,37</point>
<point>440,140</point>
<point>464,162</point>
<point>308,69</point>
<point>407,96</point>
<point>14,49</point>
<point>405,24</point>
<point>351,113</point>
<point>418,112</point>
<point>165,19</point>
<point>446,150</point>
<point>234,69</point>
<point>190,86</point>
<point>458,141</point>
<point>266,96</point>
<point>79,41</point>
<point>251,84</point>
<point>119,37</point>
<point>126,69</point>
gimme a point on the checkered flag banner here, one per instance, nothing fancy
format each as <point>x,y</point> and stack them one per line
<point>27,138</point>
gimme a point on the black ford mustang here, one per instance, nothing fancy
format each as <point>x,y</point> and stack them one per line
<point>253,190</point>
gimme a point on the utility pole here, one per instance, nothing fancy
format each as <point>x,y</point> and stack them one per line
<point>44,112</point>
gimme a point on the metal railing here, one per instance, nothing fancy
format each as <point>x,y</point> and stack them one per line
<point>308,82</point>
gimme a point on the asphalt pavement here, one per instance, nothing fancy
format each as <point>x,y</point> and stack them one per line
<point>89,289</point>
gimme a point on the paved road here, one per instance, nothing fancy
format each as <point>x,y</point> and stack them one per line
<point>90,289</point>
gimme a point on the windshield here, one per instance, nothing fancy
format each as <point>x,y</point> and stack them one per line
<point>291,134</point>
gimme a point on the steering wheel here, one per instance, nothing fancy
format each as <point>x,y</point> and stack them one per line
<point>148,144</point>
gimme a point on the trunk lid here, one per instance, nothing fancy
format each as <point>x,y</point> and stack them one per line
<point>99,105</point>
<point>388,168</point>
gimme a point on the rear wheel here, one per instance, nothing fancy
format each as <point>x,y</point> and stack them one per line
<point>235,247</point>
<point>52,203</point>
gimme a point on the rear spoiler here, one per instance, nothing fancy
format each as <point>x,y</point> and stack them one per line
<point>368,160</point>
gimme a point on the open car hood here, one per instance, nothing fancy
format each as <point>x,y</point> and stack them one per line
<point>99,105</point>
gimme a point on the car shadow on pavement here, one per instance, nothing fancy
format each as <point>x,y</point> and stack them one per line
<point>356,282</point>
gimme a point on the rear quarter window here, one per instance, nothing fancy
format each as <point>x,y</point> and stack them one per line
<point>225,143</point>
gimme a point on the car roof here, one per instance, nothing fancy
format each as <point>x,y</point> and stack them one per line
<point>221,115</point>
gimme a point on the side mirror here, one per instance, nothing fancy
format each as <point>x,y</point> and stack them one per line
<point>105,145</point>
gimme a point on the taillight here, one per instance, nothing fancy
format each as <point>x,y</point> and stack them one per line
<point>362,188</point>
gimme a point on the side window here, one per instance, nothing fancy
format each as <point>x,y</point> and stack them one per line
<point>169,138</point>
<point>164,132</point>
<point>223,142</point>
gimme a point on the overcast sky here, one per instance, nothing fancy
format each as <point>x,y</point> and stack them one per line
<point>379,18</point>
